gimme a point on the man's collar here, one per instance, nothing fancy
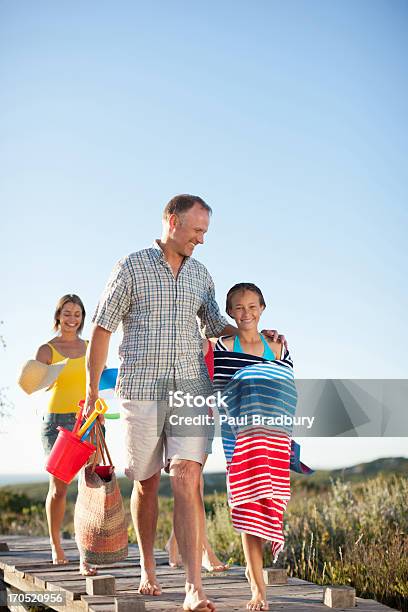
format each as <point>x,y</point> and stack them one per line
<point>157,248</point>
<point>158,251</point>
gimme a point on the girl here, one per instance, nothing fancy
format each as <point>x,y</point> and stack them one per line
<point>255,373</point>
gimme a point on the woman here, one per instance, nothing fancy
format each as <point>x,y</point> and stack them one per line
<point>209,561</point>
<point>255,373</point>
<point>65,394</point>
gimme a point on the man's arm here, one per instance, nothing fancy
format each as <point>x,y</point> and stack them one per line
<point>112,307</point>
<point>96,358</point>
<point>229,330</point>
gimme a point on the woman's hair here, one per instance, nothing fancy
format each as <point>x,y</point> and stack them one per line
<point>74,299</point>
<point>241,287</point>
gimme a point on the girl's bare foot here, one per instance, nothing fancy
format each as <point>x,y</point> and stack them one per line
<point>171,547</point>
<point>196,600</point>
<point>148,584</point>
<point>258,601</point>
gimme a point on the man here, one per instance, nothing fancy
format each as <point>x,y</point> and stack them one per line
<point>157,294</point>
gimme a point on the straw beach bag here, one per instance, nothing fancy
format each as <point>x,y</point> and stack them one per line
<point>99,517</point>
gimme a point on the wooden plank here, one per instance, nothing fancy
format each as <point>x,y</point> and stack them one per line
<point>15,560</point>
<point>64,576</point>
<point>15,607</point>
<point>43,580</point>
<point>56,572</point>
<point>66,545</point>
<point>100,585</point>
<point>72,589</point>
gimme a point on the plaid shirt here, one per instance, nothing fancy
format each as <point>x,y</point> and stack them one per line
<point>161,341</point>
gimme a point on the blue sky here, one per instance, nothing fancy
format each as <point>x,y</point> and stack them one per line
<point>289,118</point>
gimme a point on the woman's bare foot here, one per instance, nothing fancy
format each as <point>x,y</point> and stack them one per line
<point>171,547</point>
<point>196,600</point>
<point>86,570</point>
<point>148,584</point>
<point>58,555</point>
<point>211,563</point>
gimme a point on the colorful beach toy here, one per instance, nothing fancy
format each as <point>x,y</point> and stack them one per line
<point>100,408</point>
<point>108,379</point>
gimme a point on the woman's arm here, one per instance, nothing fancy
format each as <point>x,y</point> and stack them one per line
<point>44,354</point>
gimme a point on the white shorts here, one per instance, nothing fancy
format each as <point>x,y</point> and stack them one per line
<point>151,442</point>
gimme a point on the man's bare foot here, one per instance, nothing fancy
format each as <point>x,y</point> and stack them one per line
<point>171,547</point>
<point>211,563</point>
<point>196,600</point>
<point>148,584</point>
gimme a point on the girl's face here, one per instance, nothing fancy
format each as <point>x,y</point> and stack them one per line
<point>246,309</point>
<point>70,317</point>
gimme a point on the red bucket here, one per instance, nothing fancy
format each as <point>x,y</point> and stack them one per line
<point>68,455</point>
<point>105,472</point>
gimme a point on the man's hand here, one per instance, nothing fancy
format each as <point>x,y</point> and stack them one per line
<point>275,336</point>
<point>90,405</point>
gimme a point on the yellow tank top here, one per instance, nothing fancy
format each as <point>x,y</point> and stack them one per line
<point>70,386</point>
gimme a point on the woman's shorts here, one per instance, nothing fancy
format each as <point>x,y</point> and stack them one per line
<point>49,431</point>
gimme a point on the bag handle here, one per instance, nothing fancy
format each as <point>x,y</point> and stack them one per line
<point>104,446</point>
<point>102,452</point>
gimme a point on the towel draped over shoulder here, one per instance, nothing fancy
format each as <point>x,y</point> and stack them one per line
<point>257,444</point>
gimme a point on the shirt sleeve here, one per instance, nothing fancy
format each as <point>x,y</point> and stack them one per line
<point>212,322</point>
<point>115,300</point>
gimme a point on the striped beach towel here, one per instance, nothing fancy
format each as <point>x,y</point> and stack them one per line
<point>257,449</point>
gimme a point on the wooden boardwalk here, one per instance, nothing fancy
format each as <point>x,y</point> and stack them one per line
<point>27,567</point>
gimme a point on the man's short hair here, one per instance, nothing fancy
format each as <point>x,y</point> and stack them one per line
<point>181,203</point>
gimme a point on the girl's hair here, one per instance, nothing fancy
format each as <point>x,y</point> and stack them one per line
<point>74,299</point>
<point>241,287</point>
